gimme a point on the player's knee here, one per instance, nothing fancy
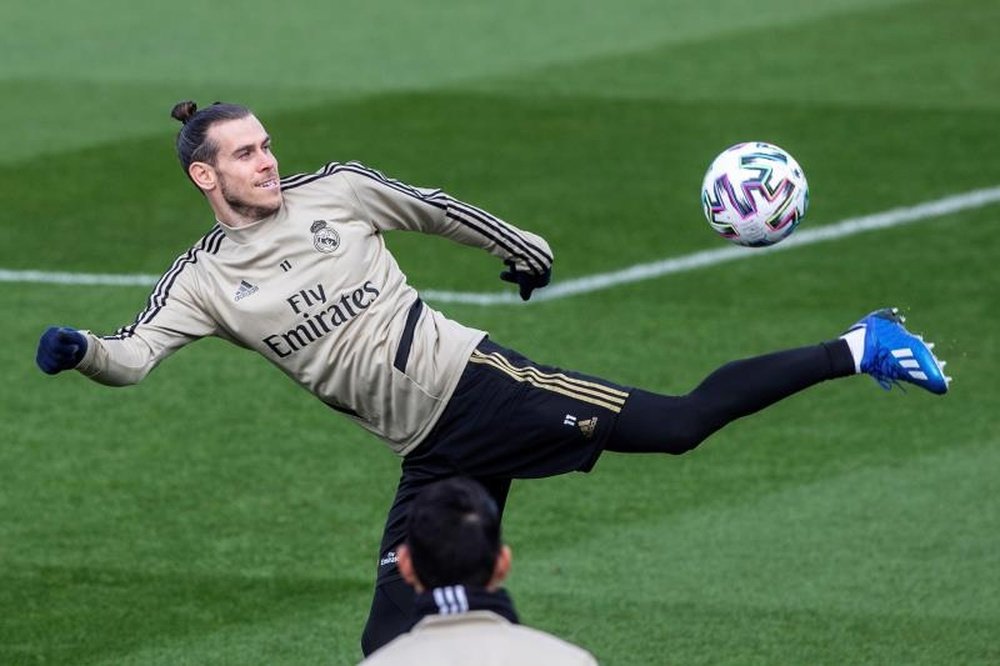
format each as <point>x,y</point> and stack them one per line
<point>690,425</point>
<point>684,438</point>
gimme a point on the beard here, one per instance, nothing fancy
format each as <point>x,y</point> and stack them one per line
<point>244,208</point>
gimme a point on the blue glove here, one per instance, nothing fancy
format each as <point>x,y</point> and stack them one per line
<point>526,281</point>
<point>59,349</point>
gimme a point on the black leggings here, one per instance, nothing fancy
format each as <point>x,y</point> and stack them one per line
<point>651,423</point>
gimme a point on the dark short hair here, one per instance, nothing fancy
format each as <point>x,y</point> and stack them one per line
<point>453,534</point>
<point>193,144</point>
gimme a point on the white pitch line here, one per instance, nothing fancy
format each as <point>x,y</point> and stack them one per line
<point>48,277</point>
<point>849,227</point>
<point>891,218</point>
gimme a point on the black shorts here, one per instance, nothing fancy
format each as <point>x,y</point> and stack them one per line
<point>509,418</point>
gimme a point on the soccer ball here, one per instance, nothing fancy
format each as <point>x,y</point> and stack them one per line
<point>754,194</point>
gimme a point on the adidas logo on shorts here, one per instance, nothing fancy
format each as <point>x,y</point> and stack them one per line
<point>587,426</point>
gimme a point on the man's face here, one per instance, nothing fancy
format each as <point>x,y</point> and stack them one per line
<point>246,172</point>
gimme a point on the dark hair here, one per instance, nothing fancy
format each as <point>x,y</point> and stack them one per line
<point>453,533</point>
<point>193,144</point>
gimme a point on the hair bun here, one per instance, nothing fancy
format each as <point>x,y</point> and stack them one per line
<point>183,111</point>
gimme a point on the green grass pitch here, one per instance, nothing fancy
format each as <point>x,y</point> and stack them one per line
<point>216,514</point>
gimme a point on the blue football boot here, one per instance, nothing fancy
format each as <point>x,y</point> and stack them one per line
<point>893,354</point>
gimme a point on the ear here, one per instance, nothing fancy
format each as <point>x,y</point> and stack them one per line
<point>405,565</point>
<point>501,568</point>
<point>203,175</point>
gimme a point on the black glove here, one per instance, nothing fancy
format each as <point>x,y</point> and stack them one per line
<point>526,281</point>
<point>59,349</point>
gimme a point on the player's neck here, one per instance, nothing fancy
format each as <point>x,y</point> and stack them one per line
<point>235,218</point>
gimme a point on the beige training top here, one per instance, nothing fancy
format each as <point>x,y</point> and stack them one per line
<point>314,289</point>
<point>477,637</point>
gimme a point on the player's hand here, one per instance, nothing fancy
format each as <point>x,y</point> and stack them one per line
<point>526,281</point>
<point>59,349</point>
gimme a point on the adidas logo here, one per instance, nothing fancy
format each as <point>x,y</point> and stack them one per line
<point>246,289</point>
<point>907,360</point>
<point>587,426</point>
<point>451,600</point>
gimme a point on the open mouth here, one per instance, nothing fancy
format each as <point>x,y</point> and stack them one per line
<point>269,184</point>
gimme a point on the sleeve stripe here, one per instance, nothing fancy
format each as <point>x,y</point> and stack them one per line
<point>362,170</point>
<point>529,252</point>
<point>209,243</point>
<point>468,215</point>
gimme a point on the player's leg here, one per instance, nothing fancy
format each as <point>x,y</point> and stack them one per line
<point>392,600</point>
<point>391,612</point>
<point>877,345</point>
<point>650,422</point>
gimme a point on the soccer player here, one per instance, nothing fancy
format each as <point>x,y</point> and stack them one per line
<point>454,558</point>
<point>297,270</point>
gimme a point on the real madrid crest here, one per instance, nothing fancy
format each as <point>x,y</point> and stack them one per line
<point>325,239</point>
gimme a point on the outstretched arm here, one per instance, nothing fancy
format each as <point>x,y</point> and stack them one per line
<point>107,360</point>
<point>390,204</point>
<point>173,317</point>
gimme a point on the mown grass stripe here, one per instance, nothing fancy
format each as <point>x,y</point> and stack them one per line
<point>849,227</point>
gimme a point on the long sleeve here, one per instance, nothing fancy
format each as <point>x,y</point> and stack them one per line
<point>390,204</point>
<point>173,317</point>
